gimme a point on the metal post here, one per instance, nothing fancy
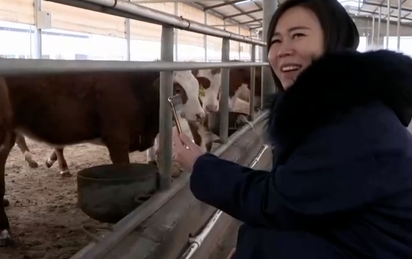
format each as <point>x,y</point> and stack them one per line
<point>224,95</point>
<point>268,85</point>
<point>252,83</point>
<point>37,31</point>
<point>379,26</point>
<point>165,114</point>
<point>373,30</point>
<point>176,35</point>
<point>398,27</point>
<point>205,36</point>
<point>238,44</point>
<point>128,39</point>
<point>388,24</point>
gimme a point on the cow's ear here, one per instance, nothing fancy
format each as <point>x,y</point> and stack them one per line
<point>203,81</point>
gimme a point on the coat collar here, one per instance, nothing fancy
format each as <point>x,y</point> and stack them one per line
<point>333,85</point>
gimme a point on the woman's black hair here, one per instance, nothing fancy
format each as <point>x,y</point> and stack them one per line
<point>339,30</point>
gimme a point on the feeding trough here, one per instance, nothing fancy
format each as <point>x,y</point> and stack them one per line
<point>108,193</point>
<point>236,121</point>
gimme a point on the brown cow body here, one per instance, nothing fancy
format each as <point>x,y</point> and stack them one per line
<point>6,144</point>
<point>119,110</point>
<point>69,109</point>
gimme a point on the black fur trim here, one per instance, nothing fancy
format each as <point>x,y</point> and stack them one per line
<point>333,85</point>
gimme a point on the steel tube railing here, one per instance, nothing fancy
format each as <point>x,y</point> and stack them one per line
<point>252,83</point>
<point>379,27</point>
<point>129,10</point>
<point>165,116</point>
<point>268,84</point>
<point>388,19</point>
<point>373,30</point>
<point>398,27</point>
<point>35,66</point>
<point>224,94</point>
<point>137,12</point>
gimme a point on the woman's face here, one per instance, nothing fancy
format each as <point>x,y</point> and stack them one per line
<point>297,40</point>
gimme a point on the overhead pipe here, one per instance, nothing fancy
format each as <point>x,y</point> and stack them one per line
<point>138,12</point>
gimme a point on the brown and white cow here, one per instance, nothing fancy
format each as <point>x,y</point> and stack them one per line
<point>209,81</point>
<point>239,86</point>
<point>119,110</point>
<point>191,105</point>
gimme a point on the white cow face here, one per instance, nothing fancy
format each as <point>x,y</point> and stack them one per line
<point>209,81</point>
<point>187,87</point>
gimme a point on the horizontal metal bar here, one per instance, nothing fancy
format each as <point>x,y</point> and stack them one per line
<point>138,12</point>
<point>47,66</point>
<point>238,134</point>
<point>143,212</point>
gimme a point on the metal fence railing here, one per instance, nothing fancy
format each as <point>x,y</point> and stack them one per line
<point>166,67</point>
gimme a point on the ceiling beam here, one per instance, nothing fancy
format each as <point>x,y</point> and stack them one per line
<point>390,16</point>
<point>222,4</point>
<point>217,14</point>
<point>255,20</point>
<point>384,5</point>
<point>240,14</point>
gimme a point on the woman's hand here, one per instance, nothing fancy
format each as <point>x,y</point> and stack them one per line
<point>185,150</point>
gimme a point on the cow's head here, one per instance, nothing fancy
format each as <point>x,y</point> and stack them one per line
<point>209,84</point>
<point>186,85</point>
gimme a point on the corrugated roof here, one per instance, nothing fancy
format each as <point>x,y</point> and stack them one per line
<point>249,12</point>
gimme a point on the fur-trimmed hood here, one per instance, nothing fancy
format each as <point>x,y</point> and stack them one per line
<point>335,84</point>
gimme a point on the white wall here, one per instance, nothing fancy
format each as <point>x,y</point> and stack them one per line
<point>18,41</point>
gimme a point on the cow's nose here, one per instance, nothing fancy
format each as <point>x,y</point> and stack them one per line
<point>200,116</point>
<point>211,107</point>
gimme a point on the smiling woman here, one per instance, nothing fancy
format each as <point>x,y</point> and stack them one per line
<point>301,34</point>
<point>297,41</point>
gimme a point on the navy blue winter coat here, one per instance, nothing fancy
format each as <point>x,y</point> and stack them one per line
<point>341,186</point>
